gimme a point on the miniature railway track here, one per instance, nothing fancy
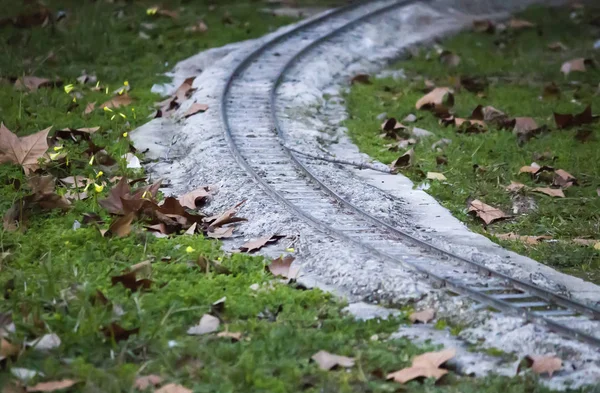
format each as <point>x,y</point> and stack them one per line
<point>254,134</point>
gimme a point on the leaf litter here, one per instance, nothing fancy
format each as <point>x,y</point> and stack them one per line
<point>427,365</point>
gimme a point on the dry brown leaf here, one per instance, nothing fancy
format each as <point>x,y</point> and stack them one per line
<point>173,388</point>
<point>553,192</point>
<point>24,151</point>
<point>282,267</point>
<point>143,383</point>
<point>361,78</point>
<point>563,179</point>
<point>207,324</point>
<point>487,213</point>
<point>524,124</point>
<point>192,199</point>
<point>7,349</point>
<point>117,102</point>
<point>585,242</point>
<point>557,46</point>
<point>532,240</point>
<point>514,187</point>
<point>195,108</point>
<point>121,227</point>
<point>199,27</point>
<point>259,243</point>
<point>235,336</point>
<point>440,96</point>
<point>405,160</point>
<point>470,126</point>
<point>422,316</point>
<point>542,364</point>
<point>518,24</point>
<point>327,361</point>
<point>426,365</point>
<point>576,65</point>
<point>449,58</point>
<point>220,233</point>
<point>436,176</point>
<point>52,386</point>
<point>32,83</point>
<point>569,120</point>
<point>89,108</point>
<point>484,26</point>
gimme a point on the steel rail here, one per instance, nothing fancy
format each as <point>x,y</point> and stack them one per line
<point>455,286</point>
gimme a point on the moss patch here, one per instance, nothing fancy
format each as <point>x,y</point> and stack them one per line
<point>514,67</point>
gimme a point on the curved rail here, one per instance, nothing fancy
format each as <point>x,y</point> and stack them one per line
<point>509,287</point>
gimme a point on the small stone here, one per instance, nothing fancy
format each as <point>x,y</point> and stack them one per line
<point>382,116</point>
<point>254,287</point>
<point>421,133</point>
<point>374,337</point>
<point>409,119</point>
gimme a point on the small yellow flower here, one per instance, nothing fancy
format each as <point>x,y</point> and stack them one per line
<point>67,243</point>
<point>106,91</point>
<point>74,99</point>
<point>99,174</point>
<point>68,88</point>
<point>98,187</point>
<point>113,117</point>
<point>290,250</point>
<point>92,160</point>
<point>146,194</point>
<point>97,84</point>
<point>54,156</point>
<point>189,249</point>
<point>57,148</point>
<point>152,10</point>
<point>122,115</point>
<point>126,83</point>
<point>125,134</point>
<point>107,109</point>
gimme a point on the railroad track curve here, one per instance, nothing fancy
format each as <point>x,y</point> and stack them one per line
<point>249,99</point>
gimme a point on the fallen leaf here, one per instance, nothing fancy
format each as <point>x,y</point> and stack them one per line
<point>551,91</point>
<point>426,365</point>
<point>470,126</point>
<point>487,213</point>
<point>519,24</point>
<point>207,324</point>
<point>532,240</point>
<point>220,233</point>
<point>121,227</point>
<point>553,192</point>
<point>557,46</point>
<point>449,58</point>
<point>542,364</point>
<point>405,160</point>
<point>32,83</point>
<point>578,65</point>
<point>422,316</point>
<point>237,336</point>
<point>39,16</point>
<point>259,243</point>
<point>484,26</point>
<point>569,120</point>
<point>563,179</point>
<point>173,388</point>
<point>52,386</point>
<point>327,361</point>
<point>89,108</point>
<point>195,108</point>
<point>514,187</point>
<point>524,124</point>
<point>143,383</point>
<point>198,27</point>
<point>361,78</point>
<point>585,242</point>
<point>117,102</point>
<point>192,230</point>
<point>282,267</point>
<point>192,199</point>
<point>7,349</point>
<point>119,333</point>
<point>440,96</point>
<point>436,176</point>
<point>24,151</point>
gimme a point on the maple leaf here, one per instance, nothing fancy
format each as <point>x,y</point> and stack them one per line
<point>282,267</point>
<point>426,365</point>
<point>32,83</point>
<point>257,244</point>
<point>487,213</point>
<point>327,361</point>
<point>579,65</point>
<point>52,386</point>
<point>143,383</point>
<point>121,227</point>
<point>195,108</point>
<point>440,96</point>
<point>24,151</point>
<point>193,198</point>
<point>542,364</point>
<point>569,120</point>
<point>118,101</point>
<point>514,187</point>
<point>405,160</point>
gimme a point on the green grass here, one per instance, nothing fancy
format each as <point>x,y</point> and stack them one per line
<point>50,273</point>
<point>516,66</point>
